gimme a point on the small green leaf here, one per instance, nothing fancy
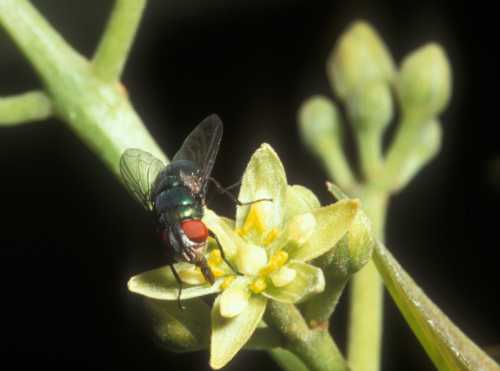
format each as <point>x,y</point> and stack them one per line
<point>332,222</point>
<point>177,329</point>
<point>264,178</point>
<point>229,335</point>
<point>299,200</point>
<point>447,346</point>
<point>308,280</point>
<point>161,284</point>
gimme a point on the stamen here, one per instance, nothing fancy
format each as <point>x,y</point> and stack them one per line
<point>253,220</point>
<point>214,258</point>
<point>271,236</point>
<point>227,281</point>
<point>258,285</point>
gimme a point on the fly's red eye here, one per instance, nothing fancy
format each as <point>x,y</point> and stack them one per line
<point>195,230</point>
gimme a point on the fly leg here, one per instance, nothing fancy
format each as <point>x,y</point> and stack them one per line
<point>223,255</point>
<point>178,279</point>
<point>225,191</point>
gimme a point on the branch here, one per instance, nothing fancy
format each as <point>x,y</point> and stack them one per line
<point>24,108</point>
<point>315,348</point>
<point>98,112</point>
<point>112,52</point>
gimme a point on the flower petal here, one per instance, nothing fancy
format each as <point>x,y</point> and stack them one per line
<point>235,298</point>
<point>299,200</point>
<point>161,284</point>
<point>229,240</point>
<point>332,222</point>
<point>229,335</point>
<point>264,177</point>
<point>308,280</point>
<point>251,259</point>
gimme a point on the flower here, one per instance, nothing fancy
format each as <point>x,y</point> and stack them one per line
<point>269,244</point>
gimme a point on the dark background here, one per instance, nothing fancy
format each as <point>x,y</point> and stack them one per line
<point>71,236</point>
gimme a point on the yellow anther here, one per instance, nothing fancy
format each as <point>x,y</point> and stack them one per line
<point>258,285</point>
<point>217,272</point>
<point>214,258</point>
<point>253,220</point>
<point>280,258</point>
<point>269,268</point>
<point>271,236</point>
<point>227,281</point>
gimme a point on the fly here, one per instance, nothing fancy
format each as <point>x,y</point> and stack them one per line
<point>175,194</point>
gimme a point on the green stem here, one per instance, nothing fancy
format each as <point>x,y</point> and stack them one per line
<point>318,310</point>
<point>287,360</point>
<point>400,150</point>
<point>99,113</point>
<point>336,164</point>
<point>315,348</point>
<point>23,108</point>
<point>366,307</point>
<point>370,149</point>
<point>111,55</point>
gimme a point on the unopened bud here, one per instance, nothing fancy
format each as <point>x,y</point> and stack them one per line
<point>370,107</point>
<point>319,122</point>
<point>360,56</point>
<point>424,82</point>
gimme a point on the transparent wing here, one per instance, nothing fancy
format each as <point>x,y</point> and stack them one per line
<point>202,145</point>
<point>139,170</point>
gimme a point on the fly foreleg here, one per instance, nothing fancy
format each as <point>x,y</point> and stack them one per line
<point>178,279</point>
<point>225,191</point>
<point>223,255</point>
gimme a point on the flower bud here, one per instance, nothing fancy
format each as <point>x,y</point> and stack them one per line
<point>423,151</point>
<point>424,82</point>
<point>319,123</point>
<point>354,250</point>
<point>177,329</point>
<point>360,56</point>
<point>370,107</point>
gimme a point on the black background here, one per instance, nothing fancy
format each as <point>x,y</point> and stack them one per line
<point>70,236</point>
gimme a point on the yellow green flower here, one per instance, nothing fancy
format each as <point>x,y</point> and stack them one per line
<point>269,243</point>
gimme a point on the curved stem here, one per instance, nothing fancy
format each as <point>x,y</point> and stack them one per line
<point>99,113</point>
<point>112,52</point>
<point>287,360</point>
<point>315,348</point>
<point>23,108</point>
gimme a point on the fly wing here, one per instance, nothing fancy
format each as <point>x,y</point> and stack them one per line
<point>139,170</point>
<point>202,145</point>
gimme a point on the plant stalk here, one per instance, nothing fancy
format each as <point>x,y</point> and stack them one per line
<point>112,52</point>
<point>315,348</point>
<point>98,112</point>
<point>366,307</point>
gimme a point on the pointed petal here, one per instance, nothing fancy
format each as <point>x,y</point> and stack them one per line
<point>229,335</point>
<point>299,200</point>
<point>308,280</point>
<point>332,222</point>
<point>229,240</point>
<point>264,178</point>
<point>161,284</point>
